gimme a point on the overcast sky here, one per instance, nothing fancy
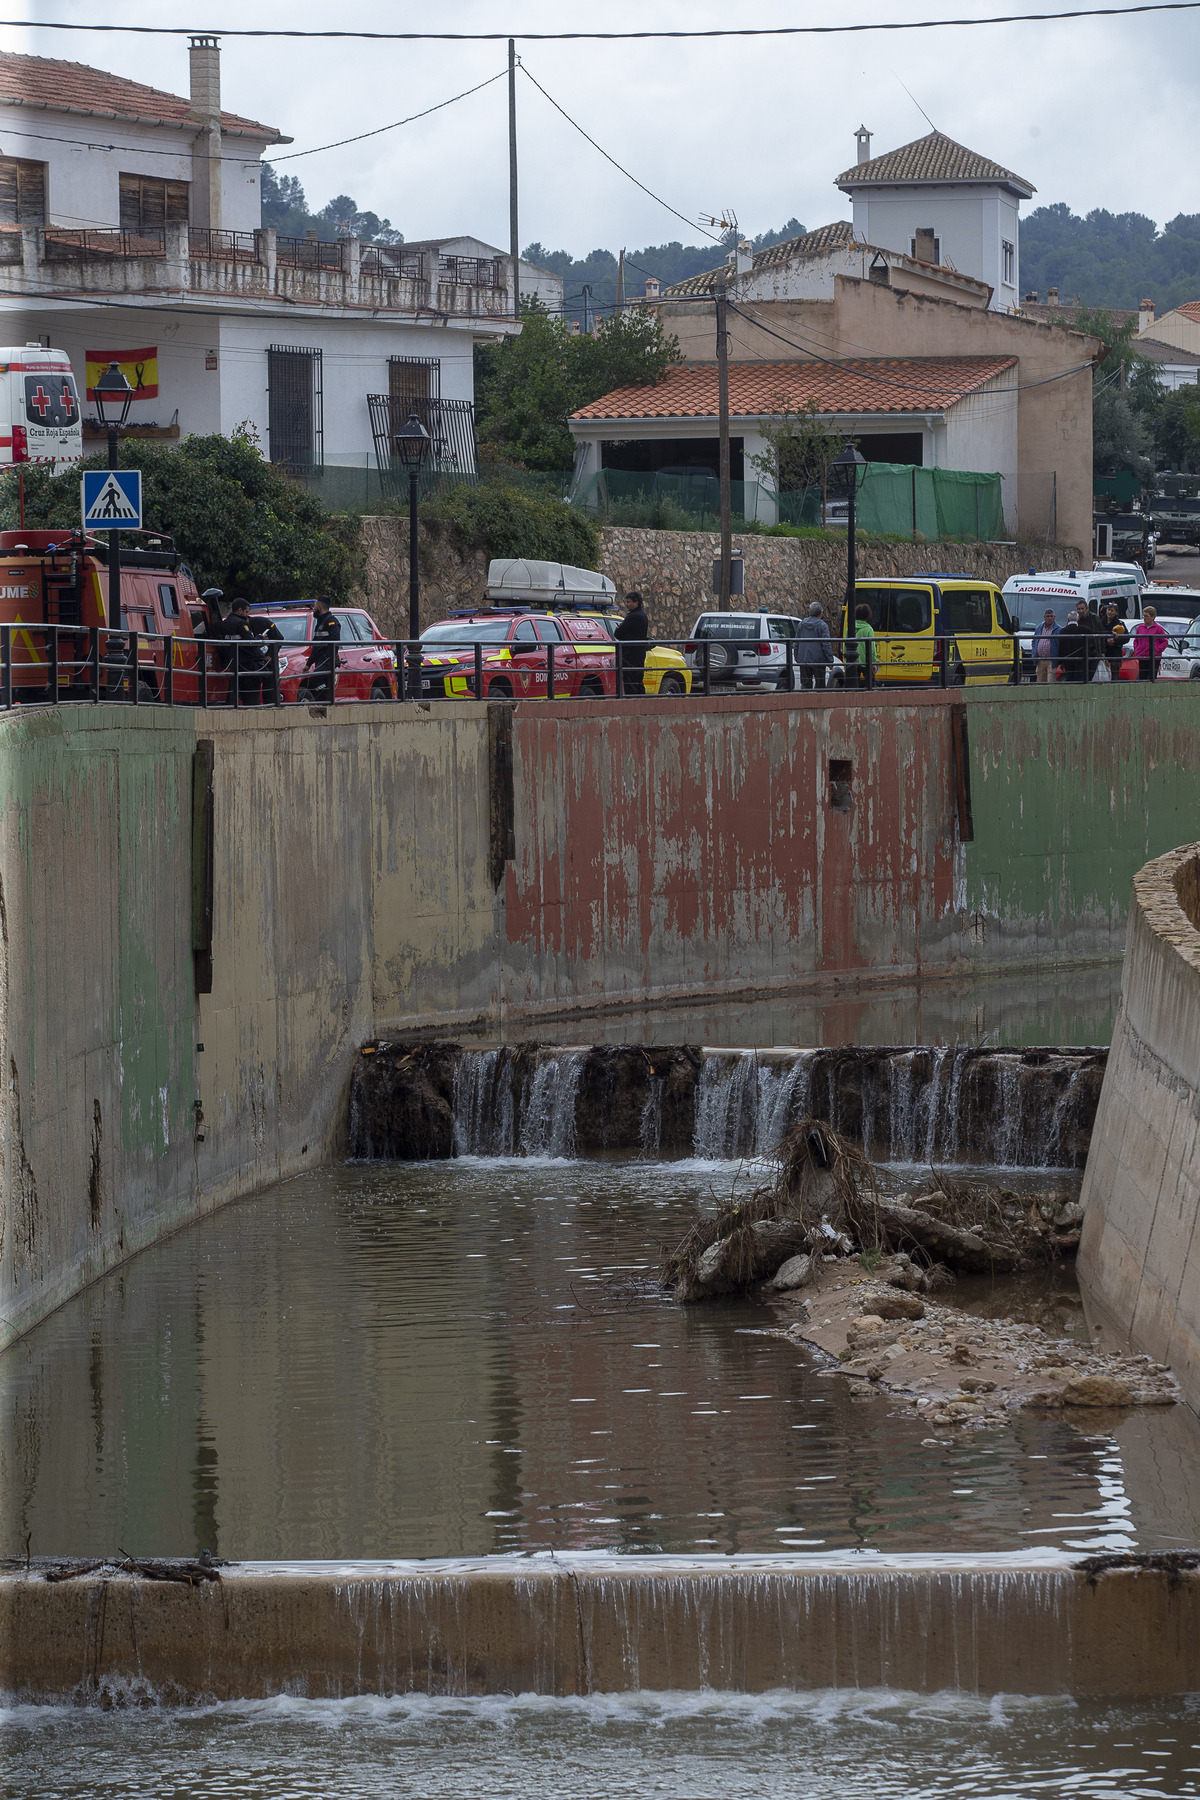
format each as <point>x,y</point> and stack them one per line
<point>1092,112</point>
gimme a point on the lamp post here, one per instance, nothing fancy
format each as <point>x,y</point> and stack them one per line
<point>113,396</point>
<point>846,471</point>
<point>412,443</point>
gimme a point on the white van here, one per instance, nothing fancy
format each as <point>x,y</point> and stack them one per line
<point>1060,590</point>
<point>40,417</point>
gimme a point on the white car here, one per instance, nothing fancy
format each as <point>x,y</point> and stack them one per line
<point>748,650</point>
<point>1181,659</point>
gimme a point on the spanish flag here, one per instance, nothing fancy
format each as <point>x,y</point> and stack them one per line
<point>139,367</point>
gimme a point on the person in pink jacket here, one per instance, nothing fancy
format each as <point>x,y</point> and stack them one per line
<point>1149,642</point>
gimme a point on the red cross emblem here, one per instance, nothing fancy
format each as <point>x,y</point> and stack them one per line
<point>41,400</point>
<point>68,400</point>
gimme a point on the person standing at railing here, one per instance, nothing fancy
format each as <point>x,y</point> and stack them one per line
<point>814,650</point>
<point>1045,647</point>
<point>1073,641</point>
<point>323,656</point>
<point>862,648</point>
<point>1116,636</point>
<point>633,630</point>
<point>251,656</point>
<point>1149,642</point>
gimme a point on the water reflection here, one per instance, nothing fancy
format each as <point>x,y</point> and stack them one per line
<point>452,1359</point>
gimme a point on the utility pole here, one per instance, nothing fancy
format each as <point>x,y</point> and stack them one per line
<point>723,443</point>
<point>514,242</point>
<point>620,281</point>
<point>587,310</point>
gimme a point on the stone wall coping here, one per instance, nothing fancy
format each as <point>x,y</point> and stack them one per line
<point>1158,896</point>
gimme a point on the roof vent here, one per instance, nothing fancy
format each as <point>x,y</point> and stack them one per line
<point>862,138</point>
<point>1145,315</point>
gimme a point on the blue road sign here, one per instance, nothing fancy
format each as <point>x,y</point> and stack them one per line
<point>112,500</point>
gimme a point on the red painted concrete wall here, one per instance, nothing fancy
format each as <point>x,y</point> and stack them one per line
<point>683,848</point>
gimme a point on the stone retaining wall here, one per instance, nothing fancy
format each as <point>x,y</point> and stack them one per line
<point>1139,1259</point>
<point>673,569</point>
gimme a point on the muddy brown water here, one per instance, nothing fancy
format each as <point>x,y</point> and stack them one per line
<point>474,1356</point>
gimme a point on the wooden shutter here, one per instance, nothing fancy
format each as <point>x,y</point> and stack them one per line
<point>22,191</point>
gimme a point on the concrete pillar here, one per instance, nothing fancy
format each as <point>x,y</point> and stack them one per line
<point>351,262</point>
<point>177,253</point>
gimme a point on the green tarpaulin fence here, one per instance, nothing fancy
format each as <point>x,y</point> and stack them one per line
<point>897,500</point>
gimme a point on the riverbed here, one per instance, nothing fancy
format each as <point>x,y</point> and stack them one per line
<point>453,1359</point>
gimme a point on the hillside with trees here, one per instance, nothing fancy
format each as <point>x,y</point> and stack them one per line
<point>1111,259</point>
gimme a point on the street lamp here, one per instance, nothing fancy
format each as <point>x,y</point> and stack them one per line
<point>412,447</point>
<point>846,473</point>
<point>113,396</point>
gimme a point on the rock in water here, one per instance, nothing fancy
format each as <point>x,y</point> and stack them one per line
<point>1096,1390</point>
<point>796,1272</point>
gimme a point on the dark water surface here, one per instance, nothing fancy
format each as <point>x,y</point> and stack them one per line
<point>459,1358</point>
<point>827,1746</point>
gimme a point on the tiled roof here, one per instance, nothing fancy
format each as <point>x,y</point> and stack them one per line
<point>910,384</point>
<point>1190,310</point>
<point>1154,350</point>
<point>45,82</point>
<point>826,237</point>
<point>1068,311</point>
<point>935,158</point>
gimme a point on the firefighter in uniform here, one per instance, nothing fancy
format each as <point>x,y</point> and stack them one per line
<point>323,656</point>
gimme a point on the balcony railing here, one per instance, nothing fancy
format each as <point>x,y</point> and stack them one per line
<point>307,253</point>
<point>222,246</point>
<point>472,271</point>
<point>103,246</point>
<point>393,260</point>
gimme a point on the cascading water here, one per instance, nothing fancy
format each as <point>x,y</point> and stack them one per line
<point>953,1105</point>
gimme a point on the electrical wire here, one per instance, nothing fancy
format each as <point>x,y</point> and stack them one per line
<point>379,129</point>
<point>657,198</point>
<point>622,37</point>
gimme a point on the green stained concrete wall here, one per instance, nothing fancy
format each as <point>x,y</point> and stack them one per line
<point>1071,794</point>
<point>354,895</point>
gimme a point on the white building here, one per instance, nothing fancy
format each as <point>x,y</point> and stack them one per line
<point>940,203</point>
<point>130,231</point>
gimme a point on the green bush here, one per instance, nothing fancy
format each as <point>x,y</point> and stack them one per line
<point>501,520</point>
<point>237,521</point>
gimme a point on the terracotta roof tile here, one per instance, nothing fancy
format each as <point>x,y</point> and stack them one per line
<point>812,243</point>
<point>935,158</point>
<point>43,81</point>
<point>1190,309</point>
<point>911,384</point>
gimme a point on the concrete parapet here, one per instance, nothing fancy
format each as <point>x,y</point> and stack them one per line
<point>593,1624</point>
<point>1139,1258</point>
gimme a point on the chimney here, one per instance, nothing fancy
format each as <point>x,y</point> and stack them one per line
<point>204,68</point>
<point>1145,316</point>
<point>1052,296</point>
<point>745,256</point>
<point>862,138</point>
<point>653,287</point>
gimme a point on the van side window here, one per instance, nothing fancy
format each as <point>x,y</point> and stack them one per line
<point>967,610</point>
<point>168,600</point>
<point>783,628</point>
<point>909,609</point>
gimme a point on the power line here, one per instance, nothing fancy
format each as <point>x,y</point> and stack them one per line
<point>657,198</point>
<point>566,37</point>
<point>379,129</point>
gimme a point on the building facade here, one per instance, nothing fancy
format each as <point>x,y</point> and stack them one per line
<point>130,231</point>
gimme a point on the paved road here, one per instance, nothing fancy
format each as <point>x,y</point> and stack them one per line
<point>1177,565</point>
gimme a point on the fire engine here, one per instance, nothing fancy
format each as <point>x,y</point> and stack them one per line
<point>40,416</point>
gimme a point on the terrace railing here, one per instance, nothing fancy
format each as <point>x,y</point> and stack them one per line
<point>103,246</point>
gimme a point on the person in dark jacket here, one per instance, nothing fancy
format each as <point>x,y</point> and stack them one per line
<point>1092,628</point>
<point>1073,642</point>
<point>323,656</point>
<point>814,651</point>
<point>633,631</point>
<point>252,661</point>
<point>1116,637</point>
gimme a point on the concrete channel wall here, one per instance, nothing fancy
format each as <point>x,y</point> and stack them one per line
<point>1139,1258</point>
<point>562,1625</point>
<point>381,871</point>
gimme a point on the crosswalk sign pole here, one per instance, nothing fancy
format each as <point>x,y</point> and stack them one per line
<point>114,556</point>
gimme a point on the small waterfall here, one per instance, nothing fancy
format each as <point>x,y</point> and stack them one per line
<point>548,1121</point>
<point>946,1106</point>
<point>727,1105</point>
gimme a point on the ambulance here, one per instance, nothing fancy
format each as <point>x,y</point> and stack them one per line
<point>41,420</point>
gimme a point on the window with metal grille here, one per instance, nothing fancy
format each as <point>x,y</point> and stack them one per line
<point>22,191</point>
<point>415,377</point>
<point>295,406</point>
<point>147,204</point>
<point>1009,260</point>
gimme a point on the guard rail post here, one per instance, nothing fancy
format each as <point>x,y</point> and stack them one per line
<point>94,663</point>
<point>276,691</point>
<point>620,649</point>
<point>790,649</point>
<point>6,684</point>
<point>204,674</point>
<point>237,686</point>
<point>704,661</point>
<point>169,670</point>
<point>52,664</point>
<point>414,669</point>
<point>478,670</point>
<point>132,663</point>
<point>549,671</point>
<point>1015,678</point>
<point>943,663</point>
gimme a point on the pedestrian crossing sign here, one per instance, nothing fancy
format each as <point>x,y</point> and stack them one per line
<point>112,500</point>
